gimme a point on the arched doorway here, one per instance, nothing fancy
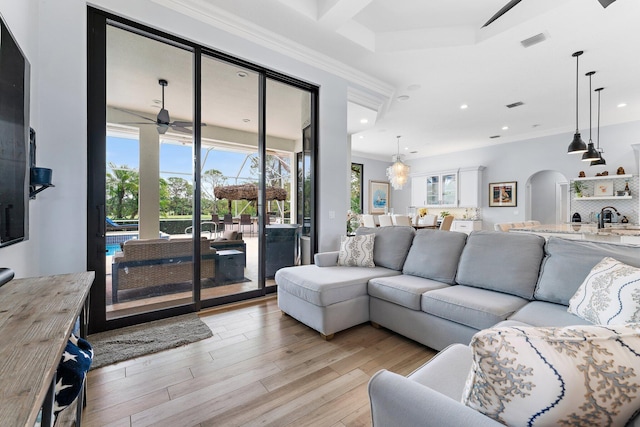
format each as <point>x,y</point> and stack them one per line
<point>547,195</point>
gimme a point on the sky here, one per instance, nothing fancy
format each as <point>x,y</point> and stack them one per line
<point>175,159</point>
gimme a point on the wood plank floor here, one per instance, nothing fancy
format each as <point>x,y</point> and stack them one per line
<point>260,368</point>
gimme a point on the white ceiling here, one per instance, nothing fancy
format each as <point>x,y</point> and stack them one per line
<point>437,54</point>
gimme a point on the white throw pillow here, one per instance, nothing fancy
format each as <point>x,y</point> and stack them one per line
<point>610,295</point>
<point>572,376</point>
<point>356,251</point>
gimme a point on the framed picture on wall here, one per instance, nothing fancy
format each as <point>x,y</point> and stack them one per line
<point>503,194</point>
<point>378,197</point>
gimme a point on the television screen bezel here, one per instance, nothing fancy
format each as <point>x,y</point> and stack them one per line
<point>26,139</point>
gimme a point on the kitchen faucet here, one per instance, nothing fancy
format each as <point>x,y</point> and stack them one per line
<point>601,219</point>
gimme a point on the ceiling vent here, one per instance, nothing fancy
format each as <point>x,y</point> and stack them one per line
<point>538,38</point>
<point>515,104</point>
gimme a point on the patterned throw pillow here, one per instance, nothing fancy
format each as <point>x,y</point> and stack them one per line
<point>356,251</point>
<point>569,376</point>
<point>610,295</point>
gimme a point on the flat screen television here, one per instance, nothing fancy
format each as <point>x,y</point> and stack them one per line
<point>14,139</point>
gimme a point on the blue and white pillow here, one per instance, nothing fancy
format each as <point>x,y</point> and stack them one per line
<point>572,376</point>
<point>610,295</point>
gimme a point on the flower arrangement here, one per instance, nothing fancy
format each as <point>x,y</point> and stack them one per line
<point>422,212</point>
<point>353,221</point>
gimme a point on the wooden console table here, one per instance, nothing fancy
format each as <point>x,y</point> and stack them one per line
<point>37,316</point>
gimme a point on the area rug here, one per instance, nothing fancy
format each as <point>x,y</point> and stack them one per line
<point>135,341</point>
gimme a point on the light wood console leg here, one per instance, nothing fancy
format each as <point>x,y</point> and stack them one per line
<point>326,337</point>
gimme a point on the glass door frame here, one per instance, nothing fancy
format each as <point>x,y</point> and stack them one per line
<point>97,21</point>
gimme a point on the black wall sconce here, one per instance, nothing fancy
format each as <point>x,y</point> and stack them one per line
<point>39,178</point>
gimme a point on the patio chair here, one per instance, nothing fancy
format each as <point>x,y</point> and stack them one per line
<point>113,226</point>
<point>245,219</point>
<point>227,220</point>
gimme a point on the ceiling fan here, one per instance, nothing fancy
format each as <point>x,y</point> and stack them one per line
<point>512,3</point>
<point>162,121</point>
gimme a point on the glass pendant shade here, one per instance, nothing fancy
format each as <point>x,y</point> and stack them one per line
<point>398,172</point>
<point>577,145</point>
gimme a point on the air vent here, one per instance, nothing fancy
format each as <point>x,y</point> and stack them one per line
<point>515,104</point>
<point>538,38</point>
<point>494,136</point>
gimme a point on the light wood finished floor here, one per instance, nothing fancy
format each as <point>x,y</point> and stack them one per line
<point>260,368</point>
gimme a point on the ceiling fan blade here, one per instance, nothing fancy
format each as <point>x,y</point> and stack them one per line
<point>181,123</point>
<point>504,10</point>
<point>181,129</point>
<point>134,114</point>
<point>162,129</point>
<point>606,3</point>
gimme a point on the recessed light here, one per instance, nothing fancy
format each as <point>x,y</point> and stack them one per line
<point>414,87</point>
<point>361,136</point>
<point>406,148</point>
<point>622,105</point>
<point>403,97</point>
<point>241,74</point>
<point>246,120</point>
<point>364,121</point>
<point>464,106</point>
<point>505,127</point>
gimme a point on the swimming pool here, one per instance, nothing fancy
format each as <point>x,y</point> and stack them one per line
<point>112,248</point>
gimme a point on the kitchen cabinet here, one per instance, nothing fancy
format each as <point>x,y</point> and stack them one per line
<point>470,184</point>
<point>466,226</point>
<point>442,190</point>
<point>448,189</point>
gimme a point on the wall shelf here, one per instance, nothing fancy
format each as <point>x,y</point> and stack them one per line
<point>605,177</point>
<point>604,198</point>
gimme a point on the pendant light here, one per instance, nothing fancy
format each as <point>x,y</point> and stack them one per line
<point>398,172</point>
<point>577,145</point>
<point>591,153</point>
<point>601,161</point>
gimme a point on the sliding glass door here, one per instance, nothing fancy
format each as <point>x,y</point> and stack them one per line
<point>195,196</point>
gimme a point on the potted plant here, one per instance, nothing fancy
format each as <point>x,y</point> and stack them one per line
<point>578,188</point>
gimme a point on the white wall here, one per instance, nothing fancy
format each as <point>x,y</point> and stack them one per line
<point>53,33</point>
<point>518,161</point>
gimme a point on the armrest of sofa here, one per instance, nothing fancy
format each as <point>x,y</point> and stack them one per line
<point>400,402</point>
<point>326,259</point>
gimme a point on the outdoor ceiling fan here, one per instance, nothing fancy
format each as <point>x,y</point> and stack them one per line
<point>512,3</point>
<point>162,121</point>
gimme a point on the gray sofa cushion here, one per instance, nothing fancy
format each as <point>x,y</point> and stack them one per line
<point>435,254</point>
<point>474,307</point>
<point>391,246</point>
<point>568,262</point>
<point>323,286</point>
<point>404,290</point>
<point>505,262</point>
<point>540,313</point>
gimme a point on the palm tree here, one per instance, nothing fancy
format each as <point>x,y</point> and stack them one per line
<point>122,191</point>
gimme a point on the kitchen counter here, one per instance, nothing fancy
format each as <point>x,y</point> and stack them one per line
<point>615,233</point>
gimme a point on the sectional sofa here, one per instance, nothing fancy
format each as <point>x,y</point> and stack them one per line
<point>440,289</point>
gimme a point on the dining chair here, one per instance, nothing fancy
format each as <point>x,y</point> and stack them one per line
<point>385,220</point>
<point>401,220</point>
<point>445,225</point>
<point>368,221</point>
<point>504,226</point>
<point>429,220</point>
